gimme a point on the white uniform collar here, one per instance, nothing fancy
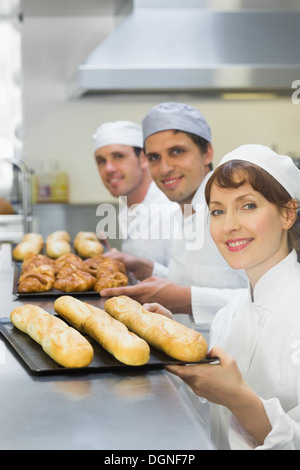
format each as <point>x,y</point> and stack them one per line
<point>268,290</point>
<point>153,194</point>
<point>199,194</point>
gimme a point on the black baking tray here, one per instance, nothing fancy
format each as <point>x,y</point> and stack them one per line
<point>39,362</point>
<point>55,292</point>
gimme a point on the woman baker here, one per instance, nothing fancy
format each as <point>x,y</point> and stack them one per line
<point>254,392</point>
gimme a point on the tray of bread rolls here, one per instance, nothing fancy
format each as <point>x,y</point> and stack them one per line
<point>76,335</point>
<point>60,265</point>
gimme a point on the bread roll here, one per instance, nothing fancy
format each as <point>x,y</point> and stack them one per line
<point>59,235</point>
<point>87,244</point>
<point>34,237</point>
<point>173,338</point>
<point>31,243</point>
<point>58,244</point>
<point>113,335</point>
<point>62,343</point>
<point>6,207</point>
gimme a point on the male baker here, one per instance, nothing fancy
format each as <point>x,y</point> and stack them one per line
<point>177,144</point>
<point>124,170</point>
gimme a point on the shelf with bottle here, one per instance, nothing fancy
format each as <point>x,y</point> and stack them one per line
<point>50,184</point>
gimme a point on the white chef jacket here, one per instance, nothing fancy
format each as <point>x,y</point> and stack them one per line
<point>146,228</point>
<point>195,261</point>
<point>262,333</point>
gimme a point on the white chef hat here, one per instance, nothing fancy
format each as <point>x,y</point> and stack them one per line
<point>281,167</point>
<point>118,132</point>
<point>177,116</point>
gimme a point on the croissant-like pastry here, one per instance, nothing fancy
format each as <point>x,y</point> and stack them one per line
<point>39,279</point>
<point>69,258</point>
<point>114,280</point>
<point>93,263</point>
<point>110,265</point>
<point>106,271</point>
<point>32,260</point>
<point>44,269</point>
<point>78,281</point>
<point>69,268</point>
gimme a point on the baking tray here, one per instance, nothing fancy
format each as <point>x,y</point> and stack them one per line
<point>55,292</point>
<point>39,362</point>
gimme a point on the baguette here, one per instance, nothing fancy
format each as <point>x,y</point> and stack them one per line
<point>111,334</point>
<point>171,337</point>
<point>63,344</point>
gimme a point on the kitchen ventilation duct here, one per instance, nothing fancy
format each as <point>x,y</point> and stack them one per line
<point>190,48</point>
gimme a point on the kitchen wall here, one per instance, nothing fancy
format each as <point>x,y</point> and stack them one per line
<point>58,127</point>
<point>64,133</point>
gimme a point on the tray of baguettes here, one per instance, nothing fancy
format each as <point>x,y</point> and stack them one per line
<point>59,264</point>
<point>80,336</point>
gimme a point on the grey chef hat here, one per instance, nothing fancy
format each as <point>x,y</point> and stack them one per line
<point>281,167</point>
<point>118,132</point>
<point>177,116</point>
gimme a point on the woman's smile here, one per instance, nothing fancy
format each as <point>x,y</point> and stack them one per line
<point>238,244</point>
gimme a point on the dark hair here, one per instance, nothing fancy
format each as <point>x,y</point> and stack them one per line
<point>201,143</point>
<point>236,173</point>
<point>137,151</point>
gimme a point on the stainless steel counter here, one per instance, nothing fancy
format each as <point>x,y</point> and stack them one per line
<point>132,409</point>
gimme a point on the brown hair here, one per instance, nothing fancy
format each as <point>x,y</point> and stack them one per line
<point>236,173</point>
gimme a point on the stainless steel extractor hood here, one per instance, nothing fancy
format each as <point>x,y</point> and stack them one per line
<point>190,48</point>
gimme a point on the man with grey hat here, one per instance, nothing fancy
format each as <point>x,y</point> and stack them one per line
<point>124,170</point>
<point>177,143</point>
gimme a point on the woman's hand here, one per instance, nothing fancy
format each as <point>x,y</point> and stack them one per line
<point>224,385</point>
<point>217,383</point>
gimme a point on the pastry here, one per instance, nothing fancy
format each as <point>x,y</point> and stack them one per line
<point>113,336</point>
<point>31,243</point>
<point>58,244</point>
<point>77,281</point>
<point>61,342</point>
<point>87,244</point>
<point>113,280</point>
<point>173,338</point>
